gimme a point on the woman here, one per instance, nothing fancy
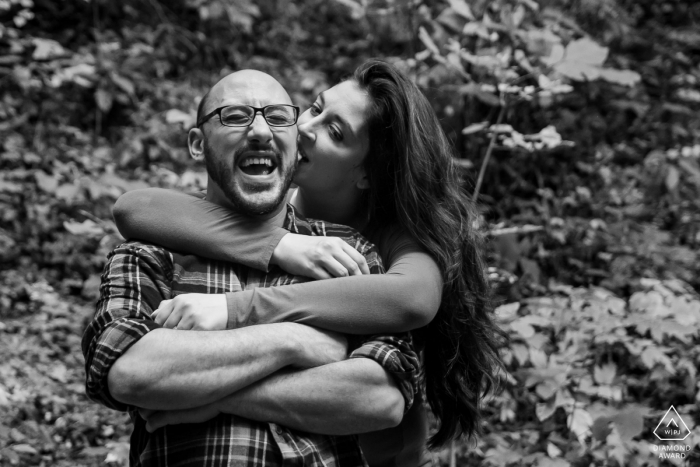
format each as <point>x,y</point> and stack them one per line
<point>373,156</point>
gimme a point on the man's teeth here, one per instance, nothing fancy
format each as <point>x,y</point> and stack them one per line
<point>256,161</point>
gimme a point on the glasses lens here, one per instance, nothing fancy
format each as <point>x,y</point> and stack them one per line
<point>280,115</point>
<point>236,115</point>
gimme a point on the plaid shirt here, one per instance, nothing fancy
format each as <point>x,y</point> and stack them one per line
<point>139,276</point>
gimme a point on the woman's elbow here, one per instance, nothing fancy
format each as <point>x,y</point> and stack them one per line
<point>420,311</point>
<point>122,212</point>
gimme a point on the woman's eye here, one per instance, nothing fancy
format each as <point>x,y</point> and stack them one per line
<point>314,109</point>
<point>336,134</point>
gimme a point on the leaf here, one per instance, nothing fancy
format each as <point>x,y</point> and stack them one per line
<point>118,453</point>
<point>474,128</point>
<point>428,41</point>
<point>462,8</point>
<point>653,355</point>
<point>68,192</point>
<point>48,183</point>
<point>178,116</point>
<point>555,56</point>
<point>475,90</point>
<point>508,311</point>
<point>549,462</point>
<point>46,49</point>
<point>544,410</point>
<point>451,20</point>
<point>104,99</point>
<point>601,428</point>
<point>547,389</point>
<point>624,77</point>
<point>630,421</point>
<point>586,51</point>
<point>604,374</point>
<point>578,71</point>
<point>357,10</point>
<point>87,227</point>
<point>522,328</point>
<point>553,451</point>
<point>671,329</point>
<point>580,422</point>
<point>692,168</point>
<point>123,83</point>
<point>24,449</point>
<point>616,447</point>
<point>501,128</point>
<point>521,353</point>
<point>59,373</point>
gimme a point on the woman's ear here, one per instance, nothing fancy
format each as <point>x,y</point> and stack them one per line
<point>359,177</point>
<point>363,183</point>
<point>195,143</point>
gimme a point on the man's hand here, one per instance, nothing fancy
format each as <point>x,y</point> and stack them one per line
<point>159,418</point>
<point>318,257</point>
<point>196,311</point>
<point>318,347</point>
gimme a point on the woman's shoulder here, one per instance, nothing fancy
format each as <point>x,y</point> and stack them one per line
<point>393,240</point>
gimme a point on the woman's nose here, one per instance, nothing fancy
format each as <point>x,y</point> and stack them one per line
<point>306,129</point>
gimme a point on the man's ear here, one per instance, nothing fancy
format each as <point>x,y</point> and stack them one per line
<point>195,143</point>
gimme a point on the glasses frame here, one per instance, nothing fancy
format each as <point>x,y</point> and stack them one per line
<point>208,116</point>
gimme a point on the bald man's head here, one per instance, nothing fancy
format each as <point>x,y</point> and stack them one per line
<point>261,82</point>
<point>250,167</point>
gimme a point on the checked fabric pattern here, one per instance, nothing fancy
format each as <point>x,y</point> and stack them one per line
<point>138,276</point>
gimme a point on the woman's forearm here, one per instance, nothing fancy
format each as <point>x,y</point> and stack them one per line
<point>182,222</point>
<point>405,298</point>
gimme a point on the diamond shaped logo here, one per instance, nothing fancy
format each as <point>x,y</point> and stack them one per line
<point>672,427</point>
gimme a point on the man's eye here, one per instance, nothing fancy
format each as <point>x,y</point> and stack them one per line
<point>235,118</point>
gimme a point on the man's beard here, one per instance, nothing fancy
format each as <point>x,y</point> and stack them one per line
<point>222,175</point>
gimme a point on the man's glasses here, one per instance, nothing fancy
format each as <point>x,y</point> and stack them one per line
<point>243,115</point>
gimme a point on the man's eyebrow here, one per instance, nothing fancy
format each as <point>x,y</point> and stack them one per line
<point>342,121</point>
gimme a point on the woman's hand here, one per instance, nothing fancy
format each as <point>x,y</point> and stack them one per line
<point>159,418</point>
<point>195,311</point>
<point>318,257</point>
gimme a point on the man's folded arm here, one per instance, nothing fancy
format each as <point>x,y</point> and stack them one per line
<point>368,392</point>
<point>131,361</point>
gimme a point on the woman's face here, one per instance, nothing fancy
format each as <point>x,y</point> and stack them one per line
<point>333,141</point>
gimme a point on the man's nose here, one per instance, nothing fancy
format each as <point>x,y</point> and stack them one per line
<point>259,131</point>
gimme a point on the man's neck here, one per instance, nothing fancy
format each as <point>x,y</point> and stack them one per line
<point>216,196</point>
<point>345,211</point>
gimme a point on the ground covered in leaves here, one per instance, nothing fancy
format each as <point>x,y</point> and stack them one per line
<point>577,128</point>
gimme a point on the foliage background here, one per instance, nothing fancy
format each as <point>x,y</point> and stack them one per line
<point>575,121</point>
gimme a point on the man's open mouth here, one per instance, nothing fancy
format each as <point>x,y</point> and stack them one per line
<point>257,165</point>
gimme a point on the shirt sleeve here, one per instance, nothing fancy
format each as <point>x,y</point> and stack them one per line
<point>147,214</point>
<point>135,280</point>
<point>396,354</point>
<point>405,298</point>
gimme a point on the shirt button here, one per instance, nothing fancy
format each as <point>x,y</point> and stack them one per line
<point>278,430</point>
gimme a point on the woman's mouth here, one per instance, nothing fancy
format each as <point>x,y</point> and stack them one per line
<point>302,156</point>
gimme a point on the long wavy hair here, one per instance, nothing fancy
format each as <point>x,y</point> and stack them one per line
<point>413,182</point>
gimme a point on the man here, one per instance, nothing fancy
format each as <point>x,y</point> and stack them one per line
<point>247,138</point>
